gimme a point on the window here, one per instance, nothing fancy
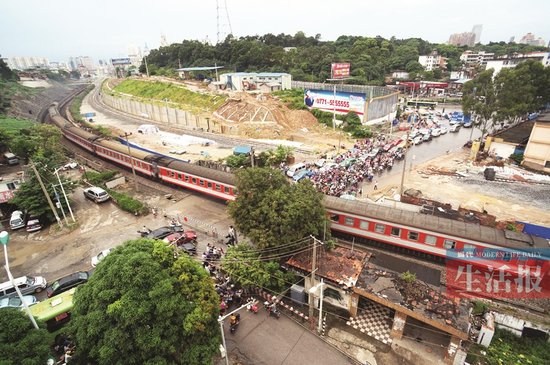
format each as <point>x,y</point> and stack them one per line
<point>430,240</point>
<point>413,236</point>
<point>180,176</point>
<point>364,225</point>
<point>194,180</point>
<point>331,293</point>
<point>209,185</point>
<point>218,188</point>
<point>449,244</point>
<point>335,217</point>
<point>469,247</point>
<point>547,164</point>
<point>226,189</point>
<point>396,231</point>
<point>349,221</point>
<point>380,228</point>
<point>201,182</point>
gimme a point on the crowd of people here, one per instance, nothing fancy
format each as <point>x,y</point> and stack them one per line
<point>362,162</point>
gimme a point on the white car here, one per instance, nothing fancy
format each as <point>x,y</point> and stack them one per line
<point>454,128</point>
<point>436,132</point>
<point>15,302</point>
<point>100,256</point>
<point>417,140</point>
<point>443,130</point>
<point>96,194</point>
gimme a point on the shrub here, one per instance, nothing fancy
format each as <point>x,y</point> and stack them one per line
<point>479,307</point>
<point>128,204</point>
<point>99,178</point>
<point>408,276</point>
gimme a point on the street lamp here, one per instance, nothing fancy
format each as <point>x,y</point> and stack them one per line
<point>4,239</point>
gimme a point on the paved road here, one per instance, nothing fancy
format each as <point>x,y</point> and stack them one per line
<point>263,340</point>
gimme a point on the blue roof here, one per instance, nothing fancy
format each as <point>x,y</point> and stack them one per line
<point>203,68</point>
<point>242,150</point>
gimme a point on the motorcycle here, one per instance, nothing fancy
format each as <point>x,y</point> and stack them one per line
<point>272,310</point>
<point>234,322</point>
<point>144,232</point>
<point>251,305</point>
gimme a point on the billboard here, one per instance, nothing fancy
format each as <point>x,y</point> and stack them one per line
<point>340,70</point>
<point>343,103</point>
<point>120,61</point>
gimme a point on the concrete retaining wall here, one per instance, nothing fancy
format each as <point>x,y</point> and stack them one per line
<point>167,115</point>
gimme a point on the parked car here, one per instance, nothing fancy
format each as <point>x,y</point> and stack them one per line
<point>454,128</point>
<point>96,194</point>
<point>33,225</point>
<point>17,220</point>
<point>427,138</point>
<point>417,140</point>
<point>443,130</point>
<point>467,125</point>
<point>436,132</point>
<point>26,284</point>
<point>15,302</point>
<point>163,232</point>
<point>67,282</point>
<point>100,256</point>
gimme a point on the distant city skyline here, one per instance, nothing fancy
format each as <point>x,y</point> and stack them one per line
<point>105,30</point>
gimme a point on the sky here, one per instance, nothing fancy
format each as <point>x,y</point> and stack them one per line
<point>59,29</point>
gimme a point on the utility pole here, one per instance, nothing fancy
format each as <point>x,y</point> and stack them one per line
<point>131,159</point>
<point>52,207</point>
<point>252,156</point>
<point>65,195</point>
<point>60,206</point>
<point>146,68</point>
<point>404,167</point>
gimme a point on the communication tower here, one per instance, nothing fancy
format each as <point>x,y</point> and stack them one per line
<point>223,25</point>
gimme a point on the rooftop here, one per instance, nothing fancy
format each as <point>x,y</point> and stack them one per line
<point>202,68</point>
<point>340,265</point>
<point>516,135</point>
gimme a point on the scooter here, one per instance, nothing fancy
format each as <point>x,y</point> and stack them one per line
<point>252,305</point>
<point>272,310</point>
<point>234,323</point>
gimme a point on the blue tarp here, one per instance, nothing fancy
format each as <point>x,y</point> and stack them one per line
<point>242,150</point>
<point>536,230</point>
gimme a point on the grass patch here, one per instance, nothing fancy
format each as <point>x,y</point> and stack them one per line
<point>75,112</point>
<point>507,349</point>
<point>293,98</point>
<point>178,96</point>
<point>12,126</point>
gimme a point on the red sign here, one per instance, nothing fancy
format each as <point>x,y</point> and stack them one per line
<point>340,70</point>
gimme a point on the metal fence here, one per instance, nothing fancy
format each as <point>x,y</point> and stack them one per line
<point>369,90</point>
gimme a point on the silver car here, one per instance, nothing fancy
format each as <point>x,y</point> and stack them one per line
<point>15,302</point>
<point>96,194</point>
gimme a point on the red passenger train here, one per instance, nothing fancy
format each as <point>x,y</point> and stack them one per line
<point>411,232</point>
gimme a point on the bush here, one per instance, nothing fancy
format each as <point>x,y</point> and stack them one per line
<point>479,307</point>
<point>128,204</point>
<point>517,158</point>
<point>408,276</point>
<point>99,178</point>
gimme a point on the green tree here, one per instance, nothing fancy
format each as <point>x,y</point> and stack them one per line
<point>246,266</point>
<point>479,100</point>
<point>20,342</point>
<point>144,306</point>
<point>271,212</point>
<point>40,140</point>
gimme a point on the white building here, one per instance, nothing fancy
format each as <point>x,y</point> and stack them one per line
<point>249,81</point>
<point>470,58</point>
<point>25,63</point>
<point>401,75</point>
<point>432,61</point>
<point>511,62</point>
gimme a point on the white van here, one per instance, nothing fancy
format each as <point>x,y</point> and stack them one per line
<point>17,220</point>
<point>26,284</point>
<point>11,159</point>
<point>295,168</point>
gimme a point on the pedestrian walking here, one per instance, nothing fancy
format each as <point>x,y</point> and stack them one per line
<point>376,185</point>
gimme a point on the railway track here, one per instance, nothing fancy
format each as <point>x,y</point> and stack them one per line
<point>96,102</point>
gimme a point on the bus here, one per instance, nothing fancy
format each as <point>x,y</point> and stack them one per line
<point>54,311</point>
<point>422,104</point>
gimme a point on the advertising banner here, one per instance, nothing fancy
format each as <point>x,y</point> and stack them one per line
<point>120,61</point>
<point>340,70</point>
<point>344,101</point>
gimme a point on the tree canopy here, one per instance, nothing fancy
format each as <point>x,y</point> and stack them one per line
<point>20,342</point>
<point>371,58</point>
<point>144,306</point>
<point>509,95</point>
<point>272,212</point>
